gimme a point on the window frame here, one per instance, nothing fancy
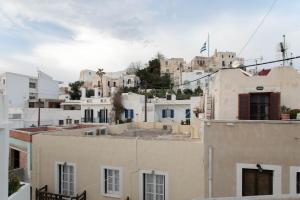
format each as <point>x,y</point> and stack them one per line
<point>56,184</point>
<point>156,172</point>
<point>276,177</point>
<point>293,179</point>
<point>102,178</point>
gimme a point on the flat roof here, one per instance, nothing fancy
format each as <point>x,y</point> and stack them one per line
<point>127,132</point>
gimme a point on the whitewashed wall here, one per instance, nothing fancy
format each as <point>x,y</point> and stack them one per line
<point>22,194</point>
<point>47,87</point>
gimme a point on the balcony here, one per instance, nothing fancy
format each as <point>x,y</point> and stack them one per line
<point>43,194</point>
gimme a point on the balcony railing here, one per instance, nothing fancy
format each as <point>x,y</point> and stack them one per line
<point>43,194</point>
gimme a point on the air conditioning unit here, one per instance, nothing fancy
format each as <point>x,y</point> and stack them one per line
<point>90,132</point>
<point>101,131</point>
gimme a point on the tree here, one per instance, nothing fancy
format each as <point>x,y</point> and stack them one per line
<point>118,107</point>
<point>90,92</point>
<point>198,91</point>
<point>75,92</point>
<point>150,76</point>
<point>101,73</point>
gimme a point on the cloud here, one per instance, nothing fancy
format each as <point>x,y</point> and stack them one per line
<point>66,36</point>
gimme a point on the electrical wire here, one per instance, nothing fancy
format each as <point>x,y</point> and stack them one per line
<point>258,26</point>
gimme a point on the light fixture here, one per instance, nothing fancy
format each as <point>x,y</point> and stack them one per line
<point>260,169</point>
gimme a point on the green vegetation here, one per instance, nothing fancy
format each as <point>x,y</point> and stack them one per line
<point>118,107</point>
<point>14,184</point>
<point>89,93</point>
<point>74,92</point>
<point>150,76</point>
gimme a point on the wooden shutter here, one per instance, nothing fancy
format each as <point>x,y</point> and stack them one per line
<point>244,106</point>
<point>274,110</point>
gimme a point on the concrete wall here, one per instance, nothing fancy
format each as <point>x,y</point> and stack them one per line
<point>90,153</point>
<point>224,91</point>
<point>48,116</point>
<point>269,143</point>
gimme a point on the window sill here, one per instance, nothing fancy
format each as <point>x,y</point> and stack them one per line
<point>118,196</point>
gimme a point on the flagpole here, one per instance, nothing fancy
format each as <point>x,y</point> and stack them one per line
<point>208,45</point>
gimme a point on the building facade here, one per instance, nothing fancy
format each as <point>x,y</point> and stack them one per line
<point>253,97</point>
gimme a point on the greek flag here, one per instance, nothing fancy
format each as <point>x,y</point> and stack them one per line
<point>203,48</point>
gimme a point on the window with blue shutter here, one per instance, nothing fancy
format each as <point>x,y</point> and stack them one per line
<point>188,113</point>
<point>172,113</point>
<point>126,114</point>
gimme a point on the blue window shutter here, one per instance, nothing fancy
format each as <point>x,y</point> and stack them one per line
<point>131,114</point>
<point>172,113</point>
<point>188,113</point>
<point>126,114</point>
<point>163,113</point>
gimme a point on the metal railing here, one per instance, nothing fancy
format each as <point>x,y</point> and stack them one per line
<point>43,194</point>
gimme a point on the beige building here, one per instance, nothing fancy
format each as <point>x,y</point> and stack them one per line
<point>175,162</point>
<point>217,61</point>
<point>253,96</point>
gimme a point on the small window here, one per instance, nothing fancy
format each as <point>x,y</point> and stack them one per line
<point>61,122</point>
<point>129,113</point>
<point>115,84</point>
<point>31,104</point>
<point>32,85</point>
<point>3,81</point>
<point>108,83</point>
<point>76,121</point>
<point>223,63</point>
<point>111,181</point>
<point>188,113</point>
<point>168,113</point>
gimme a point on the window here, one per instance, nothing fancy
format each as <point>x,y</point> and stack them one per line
<point>69,121</point>
<point>89,115</point>
<point>259,106</point>
<point>32,85</point>
<point>14,159</point>
<point>257,182</point>
<point>103,116</point>
<point>61,122</point>
<point>76,121</point>
<point>188,113</point>
<point>108,83</point>
<point>3,81</point>
<point>129,114</point>
<point>65,178</point>
<point>295,180</point>
<point>153,185</point>
<point>31,104</point>
<point>167,113</point>
<point>258,179</point>
<point>111,181</point>
<point>129,81</point>
<point>223,63</point>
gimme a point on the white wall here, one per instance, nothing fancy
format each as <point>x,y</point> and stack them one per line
<point>3,149</point>
<point>190,76</point>
<point>48,116</point>
<point>22,194</point>
<point>135,102</point>
<point>16,89</point>
<point>47,87</point>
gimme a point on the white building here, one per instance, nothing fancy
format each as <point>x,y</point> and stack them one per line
<point>20,89</point>
<point>236,94</point>
<point>3,148</point>
<point>189,77</point>
<point>170,110</point>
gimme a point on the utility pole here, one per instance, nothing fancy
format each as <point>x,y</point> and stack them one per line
<point>291,62</point>
<point>208,45</point>
<point>145,102</point>
<point>283,51</point>
<point>39,113</point>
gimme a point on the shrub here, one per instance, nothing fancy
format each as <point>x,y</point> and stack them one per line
<point>293,113</point>
<point>14,183</point>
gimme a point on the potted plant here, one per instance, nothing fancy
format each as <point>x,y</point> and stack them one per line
<point>285,113</point>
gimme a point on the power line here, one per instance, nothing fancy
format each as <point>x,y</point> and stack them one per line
<point>240,67</point>
<point>258,26</point>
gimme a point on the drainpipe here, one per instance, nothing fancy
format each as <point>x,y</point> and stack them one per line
<point>210,166</point>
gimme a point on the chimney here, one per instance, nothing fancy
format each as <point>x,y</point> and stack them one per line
<point>83,93</point>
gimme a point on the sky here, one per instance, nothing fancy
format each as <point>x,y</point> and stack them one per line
<point>61,38</point>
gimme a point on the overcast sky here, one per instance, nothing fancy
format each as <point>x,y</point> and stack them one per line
<point>63,37</point>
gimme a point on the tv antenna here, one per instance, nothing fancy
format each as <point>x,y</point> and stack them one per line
<point>282,47</point>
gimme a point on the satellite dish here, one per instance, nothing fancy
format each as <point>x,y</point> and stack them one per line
<point>236,64</point>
